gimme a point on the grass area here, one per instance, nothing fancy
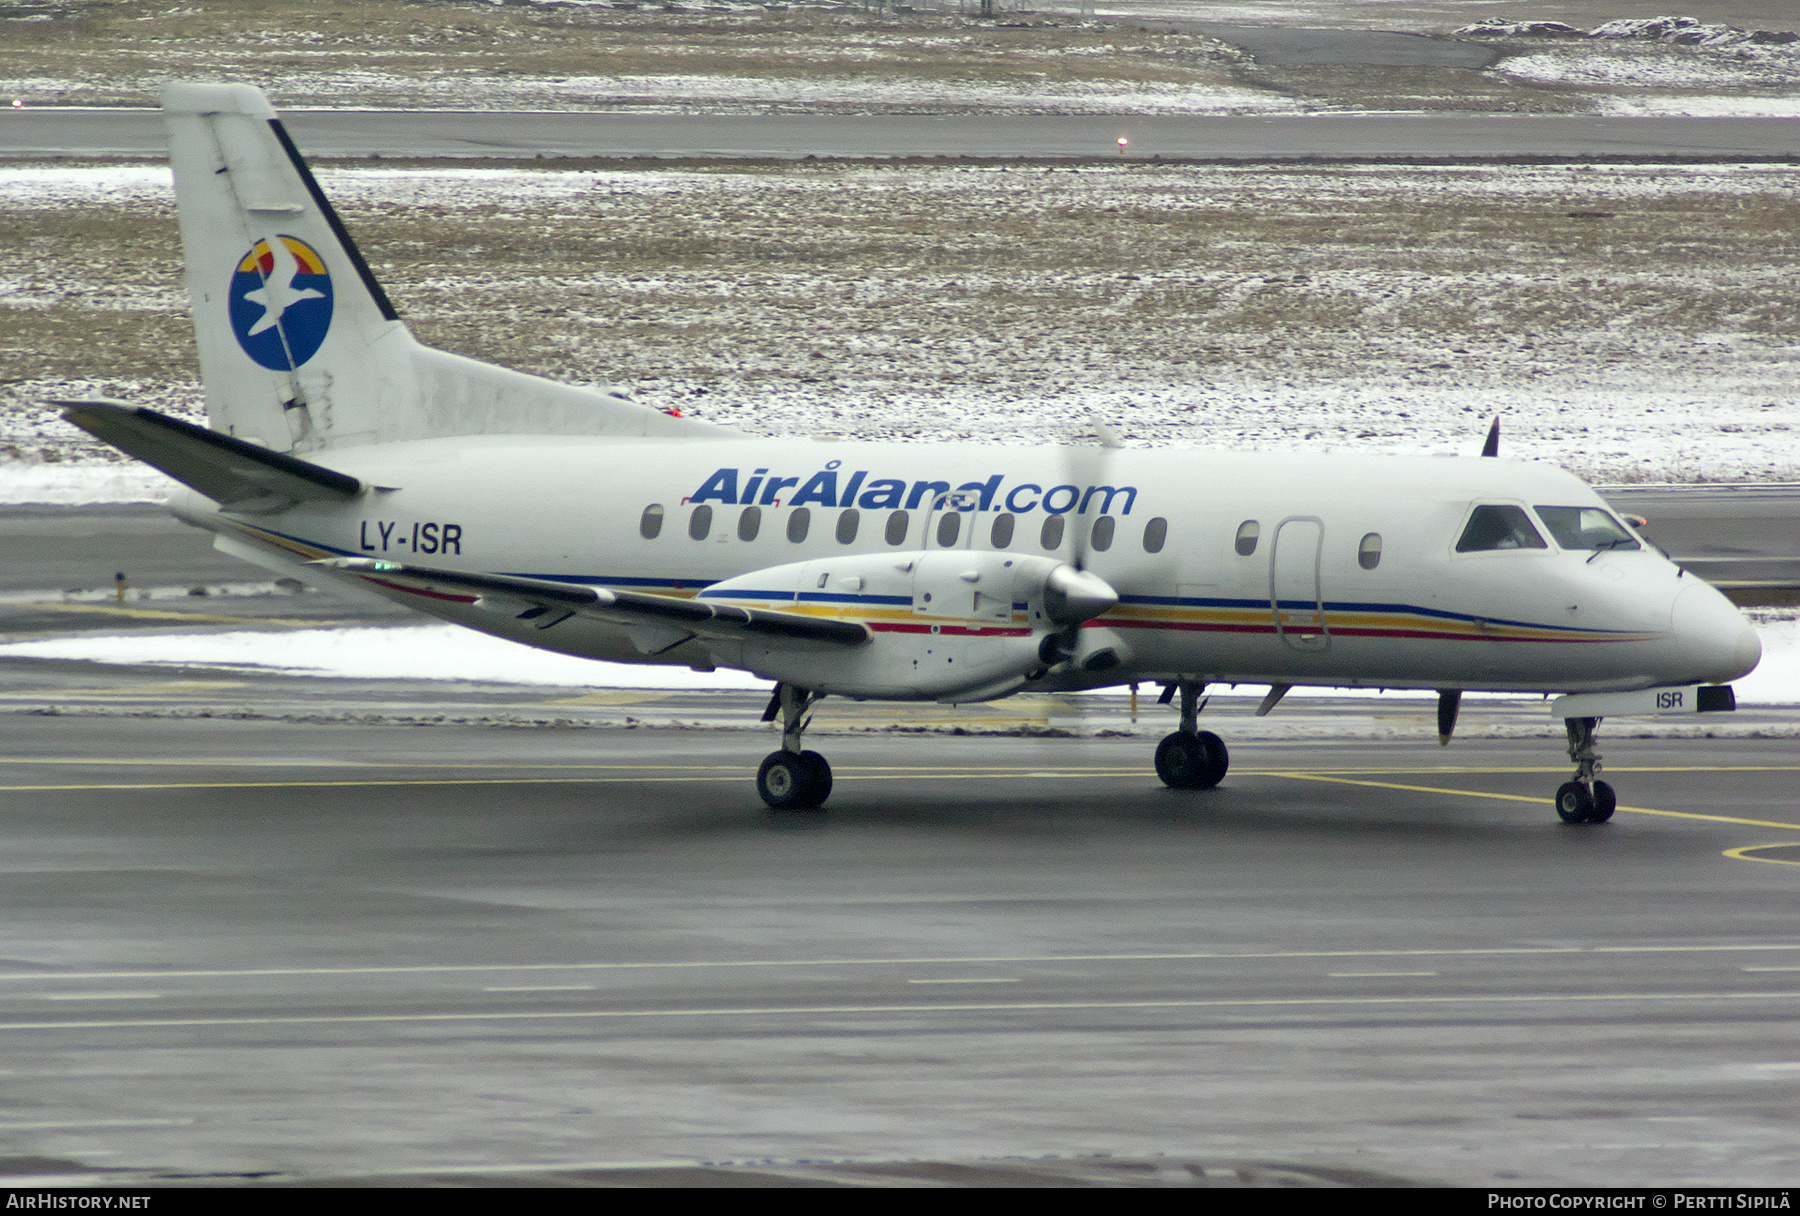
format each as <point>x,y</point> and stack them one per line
<point>1634,322</point>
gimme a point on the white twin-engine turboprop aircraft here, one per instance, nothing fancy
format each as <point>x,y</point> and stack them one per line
<point>582,522</point>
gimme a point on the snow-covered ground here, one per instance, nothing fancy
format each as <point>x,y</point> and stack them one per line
<point>1631,323</point>
<point>447,652</point>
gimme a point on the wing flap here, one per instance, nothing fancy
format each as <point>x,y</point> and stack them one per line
<point>658,616</point>
<point>236,474</point>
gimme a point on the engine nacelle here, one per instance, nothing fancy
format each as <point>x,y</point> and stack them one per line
<point>945,624</point>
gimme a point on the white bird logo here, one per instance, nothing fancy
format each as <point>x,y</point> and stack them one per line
<point>277,294</point>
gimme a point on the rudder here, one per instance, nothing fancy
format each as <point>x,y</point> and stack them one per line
<point>299,345</point>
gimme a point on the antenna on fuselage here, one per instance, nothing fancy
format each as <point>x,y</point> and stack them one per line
<point>1492,446</point>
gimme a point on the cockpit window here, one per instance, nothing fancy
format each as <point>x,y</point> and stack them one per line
<point>1499,527</point>
<point>1586,528</point>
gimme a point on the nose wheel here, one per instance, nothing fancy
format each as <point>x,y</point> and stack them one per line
<point>793,779</point>
<point>1191,758</point>
<point>1586,799</point>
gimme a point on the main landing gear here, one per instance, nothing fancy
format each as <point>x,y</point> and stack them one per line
<point>1585,799</point>
<point>1191,758</point>
<point>792,779</point>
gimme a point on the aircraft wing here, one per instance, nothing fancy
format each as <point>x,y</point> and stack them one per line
<point>236,474</point>
<point>664,620</point>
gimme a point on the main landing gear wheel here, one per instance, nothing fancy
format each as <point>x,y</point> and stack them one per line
<point>1192,762</point>
<point>794,781</point>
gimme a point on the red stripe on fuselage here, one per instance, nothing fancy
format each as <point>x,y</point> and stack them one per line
<point>435,595</point>
<point>975,631</point>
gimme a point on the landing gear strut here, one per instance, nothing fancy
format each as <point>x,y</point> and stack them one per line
<point>1585,799</point>
<point>792,779</point>
<point>1191,758</point>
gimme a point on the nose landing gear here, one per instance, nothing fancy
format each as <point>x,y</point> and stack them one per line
<point>1585,799</point>
<point>1191,758</point>
<point>792,779</point>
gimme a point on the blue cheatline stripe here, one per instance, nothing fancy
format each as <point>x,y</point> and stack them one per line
<point>832,597</point>
<point>1174,601</point>
<point>747,593</point>
<point>605,580</point>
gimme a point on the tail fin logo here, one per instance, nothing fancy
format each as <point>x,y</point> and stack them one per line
<point>280,303</point>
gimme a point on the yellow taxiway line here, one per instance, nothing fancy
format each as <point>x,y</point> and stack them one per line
<point>342,1019</point>
<point>612,774</point>
<point>1636,810</point>
<point>986,960</point>
<point>1744,853</point>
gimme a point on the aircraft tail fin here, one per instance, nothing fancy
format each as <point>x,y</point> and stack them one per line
<point>300,347</point>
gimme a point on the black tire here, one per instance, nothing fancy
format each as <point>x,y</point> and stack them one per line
<point>1218,757</point>
<point>1191,762</point>
<point>818,779</point>
<point>785,781</point>
<point>1605,803</point>
<point>1575,803</point>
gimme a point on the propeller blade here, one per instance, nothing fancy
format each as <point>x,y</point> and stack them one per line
<point>1083,466</point>
<point>1492,446</point>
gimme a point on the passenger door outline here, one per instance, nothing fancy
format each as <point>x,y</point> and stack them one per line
<point>1298,608</point>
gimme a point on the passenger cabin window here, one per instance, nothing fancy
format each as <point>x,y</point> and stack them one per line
<point>700,523</point>
<point>897,524</point>
<point>799,520</point>
<point>1499,527</point>
<point>1247,533</point>
<point>1156,532</point>
<point>650,525</point>
<point>1368,551</point>
<point>1102,536</point>
<point>948,529</point>
<point>1001,535</point>
<point>749,523</point>
<point>1586,528</point>
<point>1051,536</point>
<point>848,522</point>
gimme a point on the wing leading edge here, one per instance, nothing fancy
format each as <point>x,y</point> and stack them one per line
<point>666,622</point>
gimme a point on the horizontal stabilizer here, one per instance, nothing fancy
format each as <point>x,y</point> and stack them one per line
<point>547,602</point>
<point>238,475</point>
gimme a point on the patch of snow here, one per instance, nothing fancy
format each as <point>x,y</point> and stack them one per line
<point>1690,31</point>
<point>719,93</point>
<point>1776,680</point>
<point>1614,67</point>
<point>1520,29</point>
<point>411,652</point>
<point>72,484</point>
<point>1710,106</point>
<point>645,94</point>
<point>91,184</point>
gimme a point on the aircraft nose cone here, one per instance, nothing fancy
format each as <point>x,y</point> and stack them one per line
<point>1072,596</point>
<point>1716,642</point>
